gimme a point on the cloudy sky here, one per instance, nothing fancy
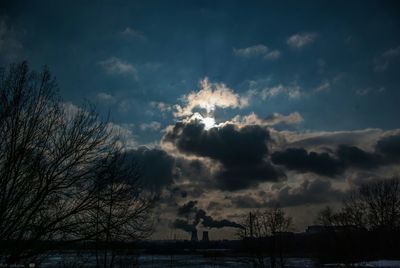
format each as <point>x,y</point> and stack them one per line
<point>228,105</point>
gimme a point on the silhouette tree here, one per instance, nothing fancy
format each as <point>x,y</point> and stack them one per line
<point>122,212</point>
<point>374,207</point>
<point>326,217</point>
<point>50,158</point>
<point>266,227</point>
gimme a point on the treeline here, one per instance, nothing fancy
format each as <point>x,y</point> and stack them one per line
<point>365,227</point>
<point>63,173</point>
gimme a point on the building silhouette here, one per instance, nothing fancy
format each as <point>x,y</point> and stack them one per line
<point>194,236</point>
<point>205,236</point>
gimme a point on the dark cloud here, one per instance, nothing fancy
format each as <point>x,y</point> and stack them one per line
<point>241,151</point>
<point>390,147</point>
<point>299,159</point>
<point>308,192</point>
<point>241,176</point>
<point>196,172</point>
<point>156,166</point>
<point>226,144</point>
<point>187,168</point>
<point>352,156</point>
<point>387,151</point>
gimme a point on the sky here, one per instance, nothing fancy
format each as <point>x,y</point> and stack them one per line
<point>229,106</point>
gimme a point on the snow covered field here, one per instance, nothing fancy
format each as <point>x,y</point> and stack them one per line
<point>379,263</point>
<point>153,261</point>
<point>70,259</point>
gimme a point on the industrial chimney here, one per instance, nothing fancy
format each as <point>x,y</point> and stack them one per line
<point>194,236</point>
<point>205,236</point>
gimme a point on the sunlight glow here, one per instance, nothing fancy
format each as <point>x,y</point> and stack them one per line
<point>209,122</point>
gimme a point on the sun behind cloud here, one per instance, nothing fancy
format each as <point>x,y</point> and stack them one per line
<point>209,122</point>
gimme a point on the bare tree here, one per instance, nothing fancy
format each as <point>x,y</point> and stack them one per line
<point>267,225</point>
<point>378,202</point>
<point>370,215</point>
<point>122,212</point>
<point>374,205</point>
<point>325,217</point>
<point>50,159</point>
<point>328,217</point>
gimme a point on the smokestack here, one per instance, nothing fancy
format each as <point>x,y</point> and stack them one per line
<point>194,236</point>
<point>205,236</point>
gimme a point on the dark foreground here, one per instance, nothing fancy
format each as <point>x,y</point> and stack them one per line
<point>73,259</point>
<point>329,248</point>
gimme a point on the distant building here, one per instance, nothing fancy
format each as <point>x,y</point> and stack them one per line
<point>194,236</point>
<point>316,229</point>
<point>205,236</point>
